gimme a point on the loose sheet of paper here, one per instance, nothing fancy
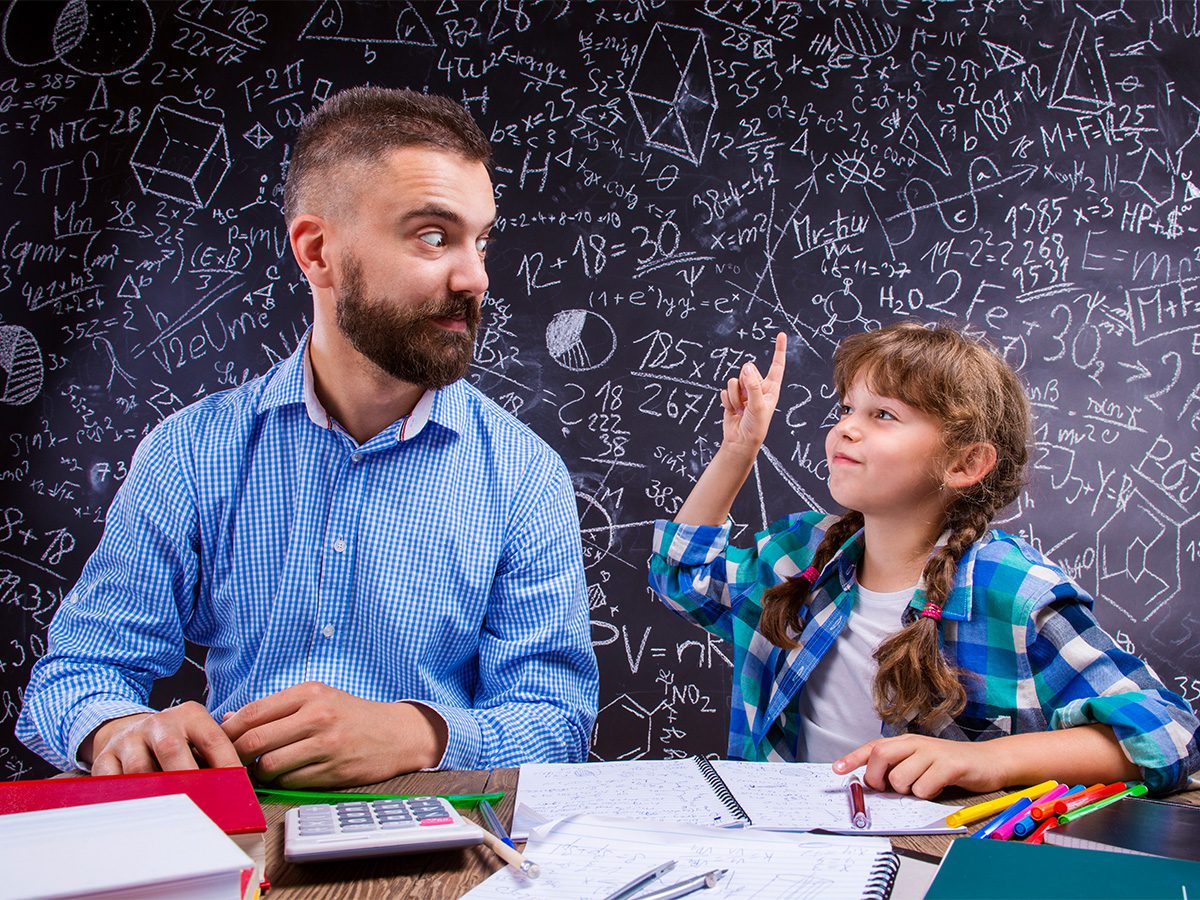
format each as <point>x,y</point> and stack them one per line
<point>591,856</point>
<point>804,796</point>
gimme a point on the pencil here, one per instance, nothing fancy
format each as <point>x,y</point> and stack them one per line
<point>511,856</point>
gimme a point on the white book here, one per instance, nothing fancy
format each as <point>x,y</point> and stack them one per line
<point>149,847</point>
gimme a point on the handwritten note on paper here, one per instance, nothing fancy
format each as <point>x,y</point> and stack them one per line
<point>673,790</point>
<point>590,856</point>
<point>804,796</point>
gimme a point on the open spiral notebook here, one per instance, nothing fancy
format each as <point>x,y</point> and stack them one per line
<point>697,791</point>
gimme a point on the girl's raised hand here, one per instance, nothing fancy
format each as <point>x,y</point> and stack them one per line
<point>750,400</point>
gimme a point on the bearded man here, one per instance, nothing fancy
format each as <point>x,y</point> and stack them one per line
<point>384,566</point>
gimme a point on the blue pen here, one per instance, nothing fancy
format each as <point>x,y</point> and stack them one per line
<point>493,822</point>
<point>1028,823</point>
<point>1017,809</point>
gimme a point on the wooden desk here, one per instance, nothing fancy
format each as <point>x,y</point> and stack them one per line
<point>451,873</point>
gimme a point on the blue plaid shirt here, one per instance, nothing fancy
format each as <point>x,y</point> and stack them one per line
<point>1012,617</point>
<point>439,562</point>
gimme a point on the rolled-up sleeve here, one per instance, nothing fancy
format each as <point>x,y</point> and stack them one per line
<point>694,571</point>
<point>1083,677</point>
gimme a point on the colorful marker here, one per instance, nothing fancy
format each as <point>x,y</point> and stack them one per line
<point>1017,811</point>
<point>1036,837</point>
<point>1003,816</point>
<point>1026,823</point>
<point>1134,790</point>
<point>969,814</point>
<point>1087,798</point>
<point>1041,811</point>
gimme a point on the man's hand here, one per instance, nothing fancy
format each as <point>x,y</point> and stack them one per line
<point>167,740</point>
<point>920,765</point>
<point>312,735</point>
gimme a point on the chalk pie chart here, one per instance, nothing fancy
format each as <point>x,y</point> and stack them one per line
<point>580,340</point>
<point>21,370</point>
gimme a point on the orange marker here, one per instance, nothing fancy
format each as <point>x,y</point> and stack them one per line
<point>1041,811</point>
<point>1085,798</point>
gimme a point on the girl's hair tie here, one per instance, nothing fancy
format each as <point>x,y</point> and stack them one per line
<point>932,611</point>
<point>810,575</point>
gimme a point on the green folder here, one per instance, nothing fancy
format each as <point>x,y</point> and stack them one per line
<point>983,870</point>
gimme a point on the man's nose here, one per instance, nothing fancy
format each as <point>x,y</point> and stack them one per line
<point>469,275</point>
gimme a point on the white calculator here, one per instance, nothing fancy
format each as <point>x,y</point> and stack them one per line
<point>374,828</point>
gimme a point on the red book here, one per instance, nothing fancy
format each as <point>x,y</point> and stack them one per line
<point>225,795</point>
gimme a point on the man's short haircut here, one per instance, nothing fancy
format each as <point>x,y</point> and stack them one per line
<point>361,124</point>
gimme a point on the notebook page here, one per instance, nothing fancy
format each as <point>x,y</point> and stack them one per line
<point>672,790</point>
<point>804,796</point>
<point>591,856</point>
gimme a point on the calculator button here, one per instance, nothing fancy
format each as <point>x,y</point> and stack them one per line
<point>354,827</point>
<point>444,821</point>
<point>398,823</point>
<point>306,829</point>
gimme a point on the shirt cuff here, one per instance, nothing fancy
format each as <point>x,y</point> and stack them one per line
<point>93,715</point>
<point>464,738</point>
<point>690,545</point>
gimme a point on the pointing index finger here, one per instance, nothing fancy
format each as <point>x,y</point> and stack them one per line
<point>775,373</point>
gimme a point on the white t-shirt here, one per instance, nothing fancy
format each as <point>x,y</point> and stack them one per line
<point>836,703</point>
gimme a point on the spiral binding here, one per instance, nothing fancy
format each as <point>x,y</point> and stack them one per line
<point>883,876</point>
<point>717,783</point>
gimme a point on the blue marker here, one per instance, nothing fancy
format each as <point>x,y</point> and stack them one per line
<point>1016,810</point>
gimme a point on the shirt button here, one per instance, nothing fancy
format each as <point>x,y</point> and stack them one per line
<point>339,545</point>
<point>356,457</point>
<point>327,631</point>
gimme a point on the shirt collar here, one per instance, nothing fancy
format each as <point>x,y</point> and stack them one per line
<point>957,606</point>
<point>293,383</point>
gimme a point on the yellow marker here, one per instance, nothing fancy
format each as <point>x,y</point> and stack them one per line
<point>979,811</point>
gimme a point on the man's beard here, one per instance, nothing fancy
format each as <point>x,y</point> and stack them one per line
<point>406,343</point>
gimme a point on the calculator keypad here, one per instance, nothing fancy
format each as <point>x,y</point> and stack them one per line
<point>367,828</point>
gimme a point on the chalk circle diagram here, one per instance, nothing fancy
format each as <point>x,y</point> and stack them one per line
<point>596,527</point>
<point>92,37</point>
<point>21,369</point>
<point>580,340</point>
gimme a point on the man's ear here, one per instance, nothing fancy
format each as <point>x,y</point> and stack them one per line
<point>970,466</point>
<point>309,237</point>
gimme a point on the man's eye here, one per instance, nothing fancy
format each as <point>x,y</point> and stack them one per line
<point>434,238</point>
<point>482,244</point>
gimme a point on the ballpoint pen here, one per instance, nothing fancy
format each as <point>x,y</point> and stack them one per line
<point>501,844</point>
<point>856,797</point>
<point>688,886</point>
<point>641,881</point>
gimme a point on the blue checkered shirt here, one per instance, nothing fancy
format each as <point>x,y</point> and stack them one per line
<point>438,562</point>
<point>1012,617</point>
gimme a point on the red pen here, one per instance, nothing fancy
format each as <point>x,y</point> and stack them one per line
<point>1085,798</point>
<point>856,796</point>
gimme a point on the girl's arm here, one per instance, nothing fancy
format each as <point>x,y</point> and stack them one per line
<point>749,402</point>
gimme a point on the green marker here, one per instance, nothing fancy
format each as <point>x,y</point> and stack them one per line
<point>279,795</point>
<point>1133,791</point>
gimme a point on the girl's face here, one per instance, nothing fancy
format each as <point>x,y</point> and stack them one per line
<point>884,456</point>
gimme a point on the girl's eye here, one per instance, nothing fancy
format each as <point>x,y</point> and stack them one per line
<point>884,414</point>
<point>434,238</point>
<point>843,410</point>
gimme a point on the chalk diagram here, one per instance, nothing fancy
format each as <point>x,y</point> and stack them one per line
<point>626,717</point>
<point>861,36</point>
<point>596,528</point>
<point>91,38</point>
<point>672,91</point>
<point>1080,82</point>
<point>580,340</point>
<point>368,24</point>
<point>181,156</point>
<point>21,368</point>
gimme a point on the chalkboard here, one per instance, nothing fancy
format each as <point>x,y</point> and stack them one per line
<point>676,182</point>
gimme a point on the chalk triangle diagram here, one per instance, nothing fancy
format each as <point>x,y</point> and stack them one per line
<point>917,137</point>
<point>368,23</point>
<point>672,91</point>
<point>129,290</point>
<point>1003,58</point>
<point>1081,83</point>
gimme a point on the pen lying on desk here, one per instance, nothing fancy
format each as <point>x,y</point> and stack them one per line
<point>688,886</point>
<point>501,844</point>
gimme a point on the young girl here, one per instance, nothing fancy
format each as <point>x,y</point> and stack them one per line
<point>978,660</point>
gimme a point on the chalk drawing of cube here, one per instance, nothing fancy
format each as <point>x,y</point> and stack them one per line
<point>181,156</point>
